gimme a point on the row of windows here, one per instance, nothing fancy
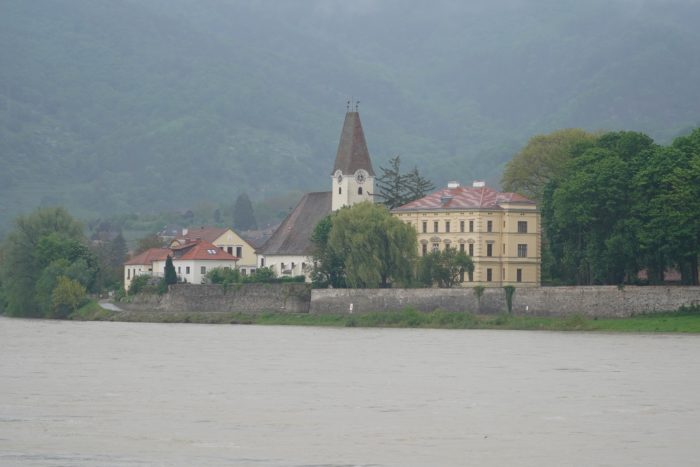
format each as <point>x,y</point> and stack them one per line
<point>359,190</point>
<point>489,275</point>
<point>522,249</point>
<point>229,250</point>
<point>518,275</point>
<point>522,226</point>
<point>282,268</point>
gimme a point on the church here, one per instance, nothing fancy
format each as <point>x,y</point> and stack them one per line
<point>288,251</point>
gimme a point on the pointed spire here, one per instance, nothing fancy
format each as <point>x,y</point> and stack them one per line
<point>352,150</point>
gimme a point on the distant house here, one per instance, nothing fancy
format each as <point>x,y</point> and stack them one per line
<point>288,251</point>
<point>499,231</point>
<point>192,261</point>
<point>225,239</point>
<point>142,264</point>
<point>170,232</point>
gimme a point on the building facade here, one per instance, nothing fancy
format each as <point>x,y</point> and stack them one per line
<point>192,261</point>
<point>501,232</point>
<point>225,239</point>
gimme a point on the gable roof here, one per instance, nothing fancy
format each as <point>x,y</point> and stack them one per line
<point>193,250</point>
<point>462,197</point>
<point>201,250</point>
<point>352,149</point>
<point>208,234</point>
<point>293,236</point>
<point>148,256</point>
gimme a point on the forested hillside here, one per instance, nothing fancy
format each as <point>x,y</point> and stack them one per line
<point>147,105</point>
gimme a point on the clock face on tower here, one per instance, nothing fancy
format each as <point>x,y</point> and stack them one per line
<point>360,176</point>
<point>338,176</point>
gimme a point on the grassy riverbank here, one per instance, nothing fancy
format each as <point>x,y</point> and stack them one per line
<point>685,320</point>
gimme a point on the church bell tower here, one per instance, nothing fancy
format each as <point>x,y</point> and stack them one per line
<point>352,176</point>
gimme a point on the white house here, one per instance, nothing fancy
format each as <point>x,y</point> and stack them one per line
<point>192,262</point>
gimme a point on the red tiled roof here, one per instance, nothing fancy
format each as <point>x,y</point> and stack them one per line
<point>463,197</point>
<point>208,234</point>
<point>150,255</point>
<point>201,250</point>
<point>194,250</point>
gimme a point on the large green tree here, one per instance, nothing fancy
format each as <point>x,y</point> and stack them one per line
<point>376,248</point>
<point>624,205</point>
<point>544,159</point>
<point>46,236</point>
<point>668,206</point>
<point>329,267</point>
<point>445,268</point>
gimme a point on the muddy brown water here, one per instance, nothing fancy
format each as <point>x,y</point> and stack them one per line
<point>136,394</point>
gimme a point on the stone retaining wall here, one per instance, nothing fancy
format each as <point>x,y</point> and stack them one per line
<point>299,298</point>
<point>542,301</point>
<point>243,298</point>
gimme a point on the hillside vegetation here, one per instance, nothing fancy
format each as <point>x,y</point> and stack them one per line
<point>143,106</point>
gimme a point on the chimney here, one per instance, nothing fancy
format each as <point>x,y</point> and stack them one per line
<point>452,184</point>
<point>184,231</point>
<point>479,184</point>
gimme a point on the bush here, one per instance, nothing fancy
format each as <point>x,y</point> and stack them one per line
<point>67,297</point>
<point>509,291</point>
<point>479,292</point>
<point>262,275</point>
<point>224,276</point>
<point>119,294</point>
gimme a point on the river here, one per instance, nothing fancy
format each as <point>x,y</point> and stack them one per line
<point>135,394</point>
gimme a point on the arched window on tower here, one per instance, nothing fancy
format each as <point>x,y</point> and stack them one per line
<point>359,190</point>
<point>340,190</point>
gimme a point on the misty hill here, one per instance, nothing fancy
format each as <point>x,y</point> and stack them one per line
<point>117,106</point>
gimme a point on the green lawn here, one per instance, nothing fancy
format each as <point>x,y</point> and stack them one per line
<point>686,320</point>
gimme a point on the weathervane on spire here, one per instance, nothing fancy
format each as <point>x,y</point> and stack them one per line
<point>350,103</point>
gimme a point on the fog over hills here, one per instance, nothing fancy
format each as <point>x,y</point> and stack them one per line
<point>144,105</point>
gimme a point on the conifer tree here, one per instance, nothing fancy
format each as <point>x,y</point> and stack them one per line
<point>397,189</point>
<point>170,274</point>
<point>243,214</point>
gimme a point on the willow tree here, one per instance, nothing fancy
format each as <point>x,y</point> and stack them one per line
<point>377,249</point>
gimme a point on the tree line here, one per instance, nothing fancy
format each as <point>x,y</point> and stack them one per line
<point>48,267</point>
<point>613,204</point>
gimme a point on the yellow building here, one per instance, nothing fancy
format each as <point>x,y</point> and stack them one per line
<point>500,231</point>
